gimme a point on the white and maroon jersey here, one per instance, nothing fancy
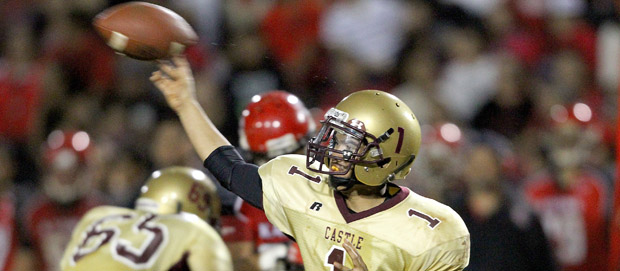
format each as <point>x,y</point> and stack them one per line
<point>8,237</point>
<point>406,232</point>
<point>573,219</point>
<point>49,226</point>
<point>115,239</point>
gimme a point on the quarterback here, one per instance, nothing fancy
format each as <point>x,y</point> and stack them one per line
<point>168,229</point>
<point>337,201</point>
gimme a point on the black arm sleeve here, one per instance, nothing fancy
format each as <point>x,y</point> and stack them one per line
<point>236,175</point>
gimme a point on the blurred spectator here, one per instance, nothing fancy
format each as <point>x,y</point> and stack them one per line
<point>67,194</point>
<point>253,72</point>
<point>419,19</point>
<point>505,234</point>
<point>568,30</point>
<point>439,163</point>
<point>467,80</point>
<point>205,16</point>
<point>346,75</point>
<point>418,90</point>
<point>22,86</point>
<point>170,146</point>
<point>370,31</point>
<point>608,53</point>
<point>132,87</point>
<point>80,112</point>
<point>242,16</point>
<point>291,32</point>
<point>511,109</point>
<point>69,40</point>
<point>570,197</point>
<point>111,128</point>
<point>124,179</point>
<point>508,35</point>
<point>570,80</point>
<point>27,87</point>
<point>8,209</point>
<point>478,8</point>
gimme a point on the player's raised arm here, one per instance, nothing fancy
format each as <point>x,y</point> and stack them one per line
<point>176,82</point>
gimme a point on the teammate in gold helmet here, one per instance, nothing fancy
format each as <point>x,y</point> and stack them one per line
<point>337,201</point>
<point>171,228</point>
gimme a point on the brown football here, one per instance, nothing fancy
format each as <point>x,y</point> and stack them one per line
<point>144,31</point>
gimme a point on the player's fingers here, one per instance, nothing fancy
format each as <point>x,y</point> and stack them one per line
<point>355,256</point>
<point>155,76</point>
<point>349,248</point>
<point>160,85</point>
<point>158,79</point>
<point>163,61</point>
<point>169,70</point>
<point>339,266</point>
<point>181,63</point>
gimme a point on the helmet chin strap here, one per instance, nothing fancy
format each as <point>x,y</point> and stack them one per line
<point>336,182</point>
<point>349,183</point>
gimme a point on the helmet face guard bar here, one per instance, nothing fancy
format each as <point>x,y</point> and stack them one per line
<point>340,145</point>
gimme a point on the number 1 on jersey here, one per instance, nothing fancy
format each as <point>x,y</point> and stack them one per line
<point>335,254</point>
<point>295,170</point>
<point>432,222</point>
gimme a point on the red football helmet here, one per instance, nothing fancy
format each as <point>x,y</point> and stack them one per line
<point>64,155</point>
<point>65,147</point>
<point>574,134</point>
<point>275,123</point>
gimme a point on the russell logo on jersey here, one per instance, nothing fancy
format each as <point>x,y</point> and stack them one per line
<point>316,206</point>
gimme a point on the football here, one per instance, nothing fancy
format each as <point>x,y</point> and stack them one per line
<point>144,31</point>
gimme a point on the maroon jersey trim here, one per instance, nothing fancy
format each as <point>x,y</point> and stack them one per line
<point>351,217</point>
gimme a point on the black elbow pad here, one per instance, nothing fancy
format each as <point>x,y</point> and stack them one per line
<point>234,174</point>
<point>221,163</point>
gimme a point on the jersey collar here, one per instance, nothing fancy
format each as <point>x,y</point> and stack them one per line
<point>351,217</point>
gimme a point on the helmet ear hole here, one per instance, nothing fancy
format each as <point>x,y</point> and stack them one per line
<point>385,161</point>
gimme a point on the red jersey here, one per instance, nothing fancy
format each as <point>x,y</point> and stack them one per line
<point>19,101</point>
<point>573,219</point>
<point>49,228</point>
<point>8,236</point>
<point>290,28</point>
<point>250,224</point>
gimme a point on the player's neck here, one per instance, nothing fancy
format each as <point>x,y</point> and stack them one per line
<point>360,203</point>
<point>361,200</point>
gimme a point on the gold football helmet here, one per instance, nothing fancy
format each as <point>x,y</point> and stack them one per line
<point>180,189</point>
<point>370,131</point>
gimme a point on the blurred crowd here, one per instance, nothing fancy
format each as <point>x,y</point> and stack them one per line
<point>516,98</point>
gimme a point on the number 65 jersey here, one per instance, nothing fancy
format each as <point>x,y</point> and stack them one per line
<point>406,232</point>
<point>113,238</point>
